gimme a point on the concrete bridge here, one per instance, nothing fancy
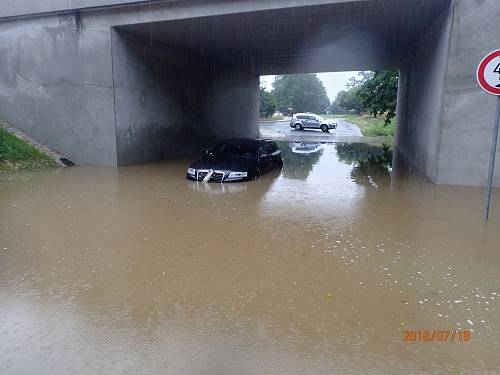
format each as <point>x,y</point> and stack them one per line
<point>114,82</point>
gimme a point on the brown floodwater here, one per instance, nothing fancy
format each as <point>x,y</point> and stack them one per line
<point>316,269</point>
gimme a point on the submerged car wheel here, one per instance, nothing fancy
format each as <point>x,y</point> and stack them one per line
<point>324,128</point>
<point>298,127</point>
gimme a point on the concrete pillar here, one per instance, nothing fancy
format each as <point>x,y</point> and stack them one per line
<point>444,119</point>
<point>233,103</point>
<point>420,100</point>
<point>468,111</point>
<point>158,100</point>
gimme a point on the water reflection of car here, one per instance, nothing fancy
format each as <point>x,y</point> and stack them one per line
<point>306,147</point>
<point>236,159</point>
<point>301,121</point>
<point>218,189</point>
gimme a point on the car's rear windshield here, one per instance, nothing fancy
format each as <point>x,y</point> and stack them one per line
<point>235,149</point>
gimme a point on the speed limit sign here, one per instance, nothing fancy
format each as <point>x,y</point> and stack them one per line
<point>488,73</point>
<point>488,77</point>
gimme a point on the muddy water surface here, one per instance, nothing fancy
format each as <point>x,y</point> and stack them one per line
<point>315,269</point>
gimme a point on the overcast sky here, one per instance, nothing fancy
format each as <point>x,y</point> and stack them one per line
<point>334,82</point>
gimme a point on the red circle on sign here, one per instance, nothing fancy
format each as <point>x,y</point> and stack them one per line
<point>481,71</point>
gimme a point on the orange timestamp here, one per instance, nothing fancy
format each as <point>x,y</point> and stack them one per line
<point>437,336</point>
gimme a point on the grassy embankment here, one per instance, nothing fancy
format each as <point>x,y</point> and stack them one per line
<point>373,126</point>
<point>16,154</point>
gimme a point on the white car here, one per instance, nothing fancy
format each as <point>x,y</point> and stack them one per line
<point>301,121</point>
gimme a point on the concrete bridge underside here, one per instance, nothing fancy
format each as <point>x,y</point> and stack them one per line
<point>119,82</point>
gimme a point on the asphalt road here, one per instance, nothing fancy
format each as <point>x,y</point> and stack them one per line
<point>281,130</point>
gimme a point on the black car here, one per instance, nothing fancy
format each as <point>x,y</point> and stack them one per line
<point>236,159</point>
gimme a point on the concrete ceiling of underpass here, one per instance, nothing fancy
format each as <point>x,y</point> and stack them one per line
<point>363,35</point>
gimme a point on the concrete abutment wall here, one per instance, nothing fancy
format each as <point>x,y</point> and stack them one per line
<point>105,97</point>
<point>444,119</point>
<point>468,112</point>
<point>56,86</point>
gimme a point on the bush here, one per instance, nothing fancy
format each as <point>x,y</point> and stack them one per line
<point>267,103</point>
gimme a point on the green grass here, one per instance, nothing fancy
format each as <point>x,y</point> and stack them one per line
<point>373,126</point>
<point>16,154</point>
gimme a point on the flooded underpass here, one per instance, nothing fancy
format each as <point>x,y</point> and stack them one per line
<point>324,267</point>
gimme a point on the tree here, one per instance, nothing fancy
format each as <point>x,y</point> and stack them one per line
<point>357,82</point>
<point>267,103</point>
<point>302,92</point>
<point>349,101</point>
<point>379,94</point>
<point>335,107</point>
<point>375,93</point>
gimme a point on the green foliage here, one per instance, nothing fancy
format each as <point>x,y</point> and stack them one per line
<point>16,154</point>
<point>301,92</point>
<point>336,108</point>
<point>375,93</point>
<point>349,101</point>
<point>357,82</point>
<point>379,94</point>
<point>267,103</point>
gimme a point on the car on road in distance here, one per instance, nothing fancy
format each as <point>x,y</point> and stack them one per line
<point>236,159</point>
<point>301,121</point>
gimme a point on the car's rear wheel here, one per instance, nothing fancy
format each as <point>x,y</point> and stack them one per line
<point>324,128</point>
<point>298,127</point>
